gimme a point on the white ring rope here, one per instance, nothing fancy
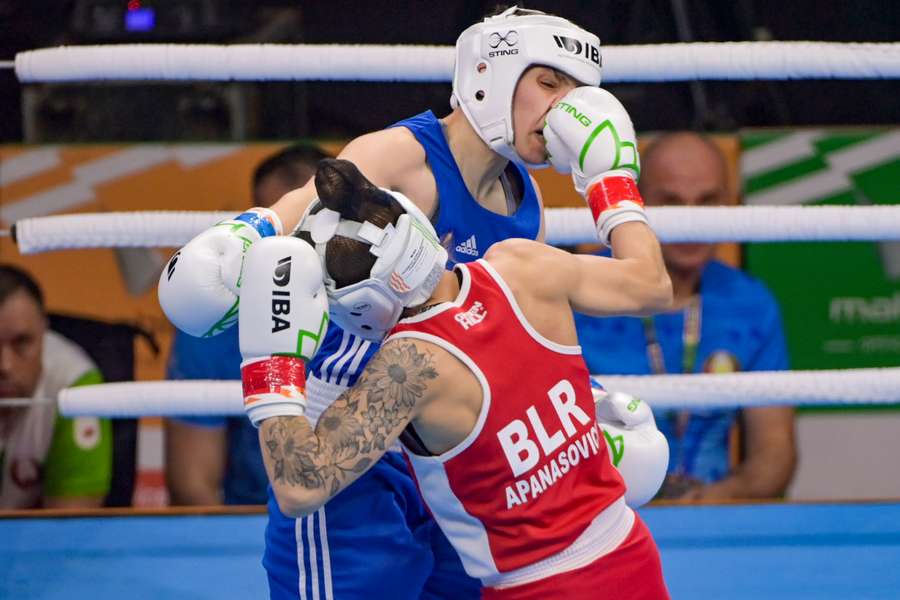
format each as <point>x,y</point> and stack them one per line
<point>140,229</point>
<point>138,399</point>
<point>568,226</point>
<point>761,388</point>
<point>565,226</point>
<point>282,62</point>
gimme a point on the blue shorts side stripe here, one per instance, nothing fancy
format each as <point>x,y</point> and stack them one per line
<point>301,559</point>
<point>313,558</point>
<point>313,573</point>
<point>326,556</point>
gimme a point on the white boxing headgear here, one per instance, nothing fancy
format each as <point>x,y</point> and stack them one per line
<point>492,55</point>
<point>409,263</point>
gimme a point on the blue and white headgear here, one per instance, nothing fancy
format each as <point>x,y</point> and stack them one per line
<point>492,55</point>
<point>409,264</point>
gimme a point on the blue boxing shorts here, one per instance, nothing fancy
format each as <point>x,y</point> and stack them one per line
<point>375,539</point>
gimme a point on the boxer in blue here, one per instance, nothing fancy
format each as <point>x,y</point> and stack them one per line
<point>467,173</point>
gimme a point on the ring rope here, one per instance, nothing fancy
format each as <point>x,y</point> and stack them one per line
<point>139,229</point>
<point>565,226</point>
<point>334,62</point>
<point>759,388</point>
<point>672,224</point>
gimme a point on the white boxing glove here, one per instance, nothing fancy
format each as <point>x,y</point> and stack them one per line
<point>283,318</point>
<point>199,287</point>
<point>589,134</point>
<point>637,448</point>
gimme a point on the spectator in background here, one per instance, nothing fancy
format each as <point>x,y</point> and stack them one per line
<point>724,321</point>
<point>46,460</point>
<point>214,460</point>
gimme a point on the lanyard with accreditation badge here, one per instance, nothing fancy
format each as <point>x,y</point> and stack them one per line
<point>690,341</point>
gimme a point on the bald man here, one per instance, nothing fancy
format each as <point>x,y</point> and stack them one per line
<point>723,321</point>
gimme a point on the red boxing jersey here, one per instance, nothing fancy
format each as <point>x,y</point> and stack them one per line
<point>531,490</point>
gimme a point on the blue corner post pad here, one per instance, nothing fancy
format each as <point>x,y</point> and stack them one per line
<point>258,222</point>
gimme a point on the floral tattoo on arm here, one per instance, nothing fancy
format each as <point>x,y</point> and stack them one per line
<point>357,429</point>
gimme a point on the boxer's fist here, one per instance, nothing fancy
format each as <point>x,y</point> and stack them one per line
<point>637,448</point>
<point>589,134</point>
<point>283,317</point>
<point>199,287</point>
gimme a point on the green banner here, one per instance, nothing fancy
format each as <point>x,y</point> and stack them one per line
<point>840,301</point>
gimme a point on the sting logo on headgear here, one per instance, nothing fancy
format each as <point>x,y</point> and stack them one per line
<point>592,53</point>
<point>509,39</point>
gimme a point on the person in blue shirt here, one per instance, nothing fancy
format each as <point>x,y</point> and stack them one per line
<point>215,460</point>
<point>724,321</point>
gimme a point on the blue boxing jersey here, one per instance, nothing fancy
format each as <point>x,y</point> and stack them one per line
<point>376,536</point>
<point>740,330</point>
<point>467,228</point>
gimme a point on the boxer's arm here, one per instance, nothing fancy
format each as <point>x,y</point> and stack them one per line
<point>590,134</point>
<point>635,282</point>
<point>199,288</point>
<point>308,466</point>
<point>390,158</point>
<point>291,206</point>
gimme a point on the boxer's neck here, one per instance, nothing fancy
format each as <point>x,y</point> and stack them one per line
<point>480,166</point>
<point>447,290</point>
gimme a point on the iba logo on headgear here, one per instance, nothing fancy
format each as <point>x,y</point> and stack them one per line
<point>592,53</point>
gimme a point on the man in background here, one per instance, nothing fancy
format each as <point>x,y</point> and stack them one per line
<point>723,321</point>
<point>215,460</point>
<point>46,460</point>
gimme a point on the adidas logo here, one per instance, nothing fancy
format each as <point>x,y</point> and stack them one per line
<point>468,247</point>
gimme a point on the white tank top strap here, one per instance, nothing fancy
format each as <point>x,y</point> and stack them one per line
<point>605,533</point>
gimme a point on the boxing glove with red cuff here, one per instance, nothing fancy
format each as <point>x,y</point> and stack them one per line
<point>282,321</point>
<point>589,134</point>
